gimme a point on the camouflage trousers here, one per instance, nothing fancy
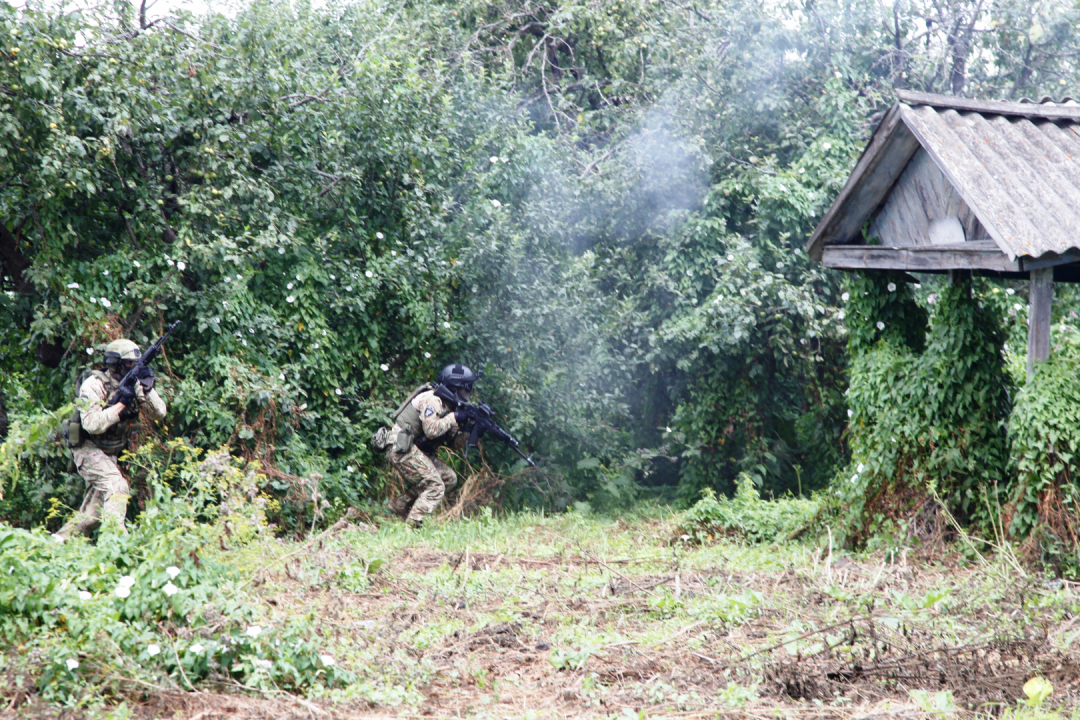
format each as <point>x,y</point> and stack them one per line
<point>107,491</point>
<point>429,477</point>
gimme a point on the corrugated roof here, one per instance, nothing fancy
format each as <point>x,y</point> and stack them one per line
<point>1016,165</point>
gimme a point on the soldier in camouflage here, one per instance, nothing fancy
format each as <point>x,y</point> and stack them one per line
<point>424,423</point>
<point>103,431</point>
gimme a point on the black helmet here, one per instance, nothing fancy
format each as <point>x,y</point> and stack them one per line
<point>458,377</point>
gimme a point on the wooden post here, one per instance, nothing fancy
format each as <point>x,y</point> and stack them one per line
<point>1042,289</point>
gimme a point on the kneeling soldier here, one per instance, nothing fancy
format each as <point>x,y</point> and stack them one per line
<point>422,424</point>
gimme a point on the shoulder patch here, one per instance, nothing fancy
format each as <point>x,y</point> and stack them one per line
<point>429,411</point>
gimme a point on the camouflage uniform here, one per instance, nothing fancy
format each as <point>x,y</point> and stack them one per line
<point>430,477</point>
<point>106,436</point>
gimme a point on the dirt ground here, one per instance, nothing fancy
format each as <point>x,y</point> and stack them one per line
<point>569,618</point>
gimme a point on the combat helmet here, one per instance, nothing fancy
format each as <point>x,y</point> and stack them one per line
<point>457,377</point>
<point>122,351</point>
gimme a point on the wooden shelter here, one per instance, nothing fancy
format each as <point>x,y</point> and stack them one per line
<point>950,185</point>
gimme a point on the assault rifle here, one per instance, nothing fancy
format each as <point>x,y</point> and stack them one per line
<point>144,360</point>
<point>483,421</point>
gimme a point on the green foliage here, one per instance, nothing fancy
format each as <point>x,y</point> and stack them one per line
<point>922,423</point>
<point>155,601</point>
<point>1045,432</point>
<point>746,516</point>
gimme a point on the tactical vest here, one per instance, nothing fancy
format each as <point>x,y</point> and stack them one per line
<point>115,439</point>
<point>408,417</point>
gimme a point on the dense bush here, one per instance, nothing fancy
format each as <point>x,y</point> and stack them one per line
<point>927,421</point>
<point>599,204</point>
<point>1045,432</point>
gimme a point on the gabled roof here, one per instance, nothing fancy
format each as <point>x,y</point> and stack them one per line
<point>1016,165</point>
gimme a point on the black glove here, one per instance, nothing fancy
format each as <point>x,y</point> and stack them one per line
<point>460,417</point>
<point>146,378</point>
<point>125,395</point>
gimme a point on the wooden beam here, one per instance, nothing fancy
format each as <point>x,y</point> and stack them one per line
<point>882,162</point>
<point>1050,259</point>
<point>1042,289</point>
<point>924,258</point>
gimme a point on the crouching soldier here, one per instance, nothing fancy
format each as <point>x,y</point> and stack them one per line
<point>430,418</point>
<point>99,432</point>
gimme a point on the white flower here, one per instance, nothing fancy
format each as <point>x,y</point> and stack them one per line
<point>379,235</point>
<point>281,376</point>
<point>169,263</point>
<point>854,479</point>
<point>918,286</point>
<point>123,591</point>
<point>1010,291</point>
<point>1017,307</point>
<point>493,159</point>
<point>845,297</point>
<point>281,251</point>
<point>253,630</point>
<point>73,286</point>
<point>730,258</point>
<point>841,314</point>
<point>84,595</point>
<point>106,272</point>
<point>826,146</point>
<point>315,346</point>
<point>227,279</point>
<point>72,663</point>
<point>427,355</point>
<point>850,412</point>
<point>181,266</point>
<point>290,299</point>
<point>348,288</point>
<point>385,367</point>
<point>93,300</point>
<point>932,298</point>
<point>859,468</point>
<point>779,266</point>
<point>105,302</point>
<point>348,468</point>
<point>170,589</point>
<point>89,351</point>
<point>289,286</point>
<point>251,330</point>
<point>891,287</point>
<point>496,203</point>
<point>197,648</point>
<point>337,391</point>
<point>172,571</point>
<point>239,276</point>
<point>264,664</point>
<point>327,659</point>
<point>504,160</point>
<point>127,581</point>
<point>152,650</point>
<point>324,333</point>
<point>684,538</point>
<point>368,273</point>
<point>136,263</point>
<point>244,343</point>
<point>446,325</point>
<point>393,253</point>
<point>880,325</point>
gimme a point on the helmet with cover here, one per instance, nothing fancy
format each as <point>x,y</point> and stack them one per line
<point>121,355</point>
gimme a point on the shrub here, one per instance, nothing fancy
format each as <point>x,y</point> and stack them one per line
<point>1045,433</point>
<point>155,603</point>
<point>746,515</point>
